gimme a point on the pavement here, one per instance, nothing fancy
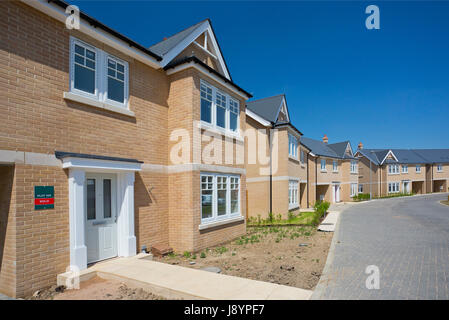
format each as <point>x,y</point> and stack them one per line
<point>404,239</point>
<point>175,282</point>
<point>329,222</point>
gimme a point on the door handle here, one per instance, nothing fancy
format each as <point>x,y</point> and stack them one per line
<point>96,223</point>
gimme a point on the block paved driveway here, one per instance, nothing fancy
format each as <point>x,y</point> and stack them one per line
<point>407,238</point>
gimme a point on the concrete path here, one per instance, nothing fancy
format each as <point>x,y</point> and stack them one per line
<point>406,238</point>
<point>328,224</point>
<point>174,282</point>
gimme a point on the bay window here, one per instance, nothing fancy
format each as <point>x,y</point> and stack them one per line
<point>293,194</point>
<point>220,196</point>
<point>97,75</point>
<point>218,109</point>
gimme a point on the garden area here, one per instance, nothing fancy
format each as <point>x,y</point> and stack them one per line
<point>289,252</point>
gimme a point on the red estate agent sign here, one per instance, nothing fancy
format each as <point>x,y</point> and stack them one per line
<point>44,197</point>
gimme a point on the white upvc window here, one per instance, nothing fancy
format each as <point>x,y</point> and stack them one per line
<point>335,165</point>
<point>393,187</point>
<point>404,168</point>
<point>360,188</point>
<point>393,169</point>
<point>292,146</point>
<point>418,168</point>
<point>302,156</point>
<point>98,75</point>
<point>353,166</point>
<point>323,164</point>
<point>293,201</point>
<point>439,168</point>
<point>219,109</point>
<point>220,197</point>
<point>353,189</point>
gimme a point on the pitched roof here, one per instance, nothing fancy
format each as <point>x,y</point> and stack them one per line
<point>407,156</point>
<point>266,108</point>
<point>340,149</point>
<point>163,47</point>
<point>434,155</point>
<point>319,148</point>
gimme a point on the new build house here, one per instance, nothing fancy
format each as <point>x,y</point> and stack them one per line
<point>389,171</point>
<point>276,166</point>
<point>333,171</point>
<point>108,148</point>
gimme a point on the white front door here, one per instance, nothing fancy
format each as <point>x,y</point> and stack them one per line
<point>336,192</point>
<point>406,187</point>
<point>101,216</point>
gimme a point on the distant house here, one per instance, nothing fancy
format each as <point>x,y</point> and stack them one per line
<point>390,171</point>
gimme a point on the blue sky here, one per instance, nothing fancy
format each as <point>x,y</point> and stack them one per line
<point>386,88</point>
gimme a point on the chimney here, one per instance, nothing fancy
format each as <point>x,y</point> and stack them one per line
<point>165,38</point>
<point>360,145</point>
<point>325,139</point>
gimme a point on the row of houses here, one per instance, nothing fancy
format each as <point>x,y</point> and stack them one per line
<point>109,148</point>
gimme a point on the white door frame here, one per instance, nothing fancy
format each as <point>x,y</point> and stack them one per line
<point>335,192</point>
<point>125,172</point>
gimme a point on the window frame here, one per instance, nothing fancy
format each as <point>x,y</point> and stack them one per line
<point>440,167</point>
<point>353,166</point>
<point>393,187</point>
<point>292,145</point>
<point>360,190</point>
<point>404,168</point>
<point>353,189</point>
<point>393,169</point>
<point>293,185</point>
<point>323,169</point>
<point>334,166</point>
<point>214,106</point>
<point>101,75</point>
<point>229,215</point>
<point>418,168</point>
<point>301,156</point>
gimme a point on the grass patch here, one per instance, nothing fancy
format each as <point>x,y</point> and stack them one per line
<point>303,218</point>
<point>395,195</point>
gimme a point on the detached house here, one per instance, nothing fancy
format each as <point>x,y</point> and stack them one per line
<point>390,171</point>
<point>332,171</point>
<point>105,144</point>
<point>276,162</point>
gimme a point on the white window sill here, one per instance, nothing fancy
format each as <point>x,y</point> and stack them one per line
<point>392,174</point>
<point>224,132</point>
<point>98,104</point>
<point>293,158</point>
<point>293,206</point>
<point>335,171</point>
<point>208,225</point>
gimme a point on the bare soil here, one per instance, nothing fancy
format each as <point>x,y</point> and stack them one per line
<point>96,289</point>
<point>271,254</point>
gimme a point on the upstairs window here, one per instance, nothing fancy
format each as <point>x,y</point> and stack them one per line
<point>440,168</point>
<point>418,168</point>
<point>293,146</point>
<point>98,75</point>
<point>323,165</point>
<point>335,165</point>
<point>206,102</point>
<point>404,168</point>
<point>393,169</point>
<point>302,156</point>
<point>353,166</point>
<point>219,109</point>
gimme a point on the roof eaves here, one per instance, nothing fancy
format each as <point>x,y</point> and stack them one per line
<point>98,24</point>
<point>202,64</point>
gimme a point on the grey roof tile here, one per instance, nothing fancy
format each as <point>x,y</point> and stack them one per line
<point>267,108</point>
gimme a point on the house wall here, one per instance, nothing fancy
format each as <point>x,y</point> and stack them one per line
<point>368,177</point>
<point>37,120</point>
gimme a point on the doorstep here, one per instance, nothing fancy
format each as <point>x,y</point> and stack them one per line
<point>175,282</point>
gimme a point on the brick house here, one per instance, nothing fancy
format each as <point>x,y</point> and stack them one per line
<point>276,162</point>
<point>389,171</point>
<point>119,136</point>
<point>333,171</point>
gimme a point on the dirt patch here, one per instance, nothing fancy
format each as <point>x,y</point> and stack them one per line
<point>289,255</point>
<point>445,202</point>
<point>96,289</point>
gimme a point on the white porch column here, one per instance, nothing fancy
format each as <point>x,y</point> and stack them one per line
<point>78,250</point>
<point>127,239</point>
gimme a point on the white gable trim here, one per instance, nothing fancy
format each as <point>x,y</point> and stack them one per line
<point>204,27</point>
<point>208,74</point>
<point>283,106</point>
<point>257,118</point>
<point>386,156</point>
<point>350,149</point>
